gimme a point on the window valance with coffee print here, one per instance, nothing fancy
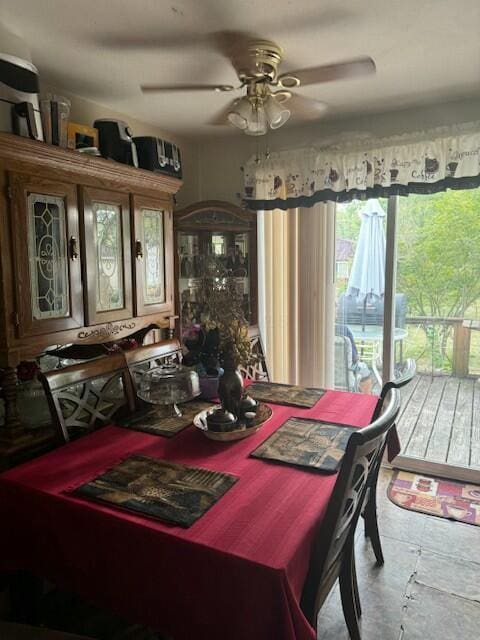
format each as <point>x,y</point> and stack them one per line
<point>414,163</point>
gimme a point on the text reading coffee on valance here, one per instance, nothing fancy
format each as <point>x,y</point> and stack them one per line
<point>302,177</point>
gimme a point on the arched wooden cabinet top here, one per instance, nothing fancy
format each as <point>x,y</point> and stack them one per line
<point>214,239</point>
<point>213,215</point>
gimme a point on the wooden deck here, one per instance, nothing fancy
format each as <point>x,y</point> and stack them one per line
<point>440,420</point>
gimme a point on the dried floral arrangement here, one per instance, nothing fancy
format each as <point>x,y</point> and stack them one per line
<point>222,337</point>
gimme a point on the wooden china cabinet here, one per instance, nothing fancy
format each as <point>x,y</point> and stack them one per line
<point>214,240</point>
<point>86,256</point>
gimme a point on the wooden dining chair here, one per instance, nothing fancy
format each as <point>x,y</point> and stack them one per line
<point>369,512</point>
<point>150,356</point>
<point>86,395</point>
<point>332,555</point>
<point>408,373</point>
<point>258,370</point>
<point>12,631</point>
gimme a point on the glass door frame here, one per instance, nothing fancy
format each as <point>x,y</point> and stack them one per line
<point>22,186</point>
<point>407,463</point>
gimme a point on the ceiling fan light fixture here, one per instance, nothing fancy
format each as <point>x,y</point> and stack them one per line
<point>241,114</point>
<point>258,123</point>
<point>289,82</point>
<point>276,114</point>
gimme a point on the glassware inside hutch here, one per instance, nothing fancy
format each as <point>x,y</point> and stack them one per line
<point>214,241</point>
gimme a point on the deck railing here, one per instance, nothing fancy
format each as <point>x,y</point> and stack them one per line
<point>460,331</point>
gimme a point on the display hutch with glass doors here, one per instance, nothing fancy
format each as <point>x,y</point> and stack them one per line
<point>214,240</point>
<point>86,256</point>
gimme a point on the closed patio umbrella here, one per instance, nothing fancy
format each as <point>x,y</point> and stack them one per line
<point>367,277</point>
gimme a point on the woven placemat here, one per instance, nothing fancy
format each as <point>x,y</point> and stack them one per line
<point>159,489</point>
<point>153,420</point>
<point>307,443</point>
<point>286,394</point>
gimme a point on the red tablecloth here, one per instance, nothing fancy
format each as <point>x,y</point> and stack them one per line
<point>237,573</point>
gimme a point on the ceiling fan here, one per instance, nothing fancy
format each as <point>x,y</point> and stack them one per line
<point>269,100</point>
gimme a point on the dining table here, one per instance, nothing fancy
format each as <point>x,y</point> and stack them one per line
<point>236,573</point>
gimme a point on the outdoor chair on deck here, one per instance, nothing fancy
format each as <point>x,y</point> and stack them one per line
<point>333,551</point>
<point>370,511</point>
<point>86,395</point>
<point>345,378</point>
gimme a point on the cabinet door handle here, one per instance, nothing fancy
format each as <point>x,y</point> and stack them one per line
<point>138,250</point>
<point>73,248</point>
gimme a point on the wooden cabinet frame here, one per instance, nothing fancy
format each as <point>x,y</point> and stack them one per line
<point>138,204</point>
<point>33,166</point>
<point>21,187</point>
<point>88,198</point>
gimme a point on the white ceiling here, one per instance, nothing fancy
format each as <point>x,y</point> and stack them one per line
<point>426,51</point>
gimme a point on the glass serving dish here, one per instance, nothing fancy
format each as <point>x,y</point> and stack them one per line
<point>169,384</point>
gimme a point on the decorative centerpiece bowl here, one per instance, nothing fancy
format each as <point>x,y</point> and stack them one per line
<point>169,384</point>
<point>246,426</point>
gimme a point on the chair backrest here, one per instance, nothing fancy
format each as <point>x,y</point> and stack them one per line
<point>86,395</point>
<point>344,378</point>
<point>408,372</point>
<point>150,356</point>
<point>337,531</point>
<point>258,370</point>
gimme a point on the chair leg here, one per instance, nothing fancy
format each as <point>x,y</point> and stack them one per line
<point>363,514</point>
<point>371,526</point>
<point>358,606</point>
<point>347,593</point>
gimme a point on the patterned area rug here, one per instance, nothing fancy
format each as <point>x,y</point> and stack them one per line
<point>435,496</point>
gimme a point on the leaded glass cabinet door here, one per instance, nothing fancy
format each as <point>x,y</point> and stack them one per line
<point>47,256</point>
<point>107,256</point>
<point>153,255</point>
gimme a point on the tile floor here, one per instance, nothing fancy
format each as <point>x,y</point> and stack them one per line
<point>429,587</point>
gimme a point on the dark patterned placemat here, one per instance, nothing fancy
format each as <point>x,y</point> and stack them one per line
<point>159,489</point>
<point>307,443</point>
<point>287,394</point>
<point>153,420</point>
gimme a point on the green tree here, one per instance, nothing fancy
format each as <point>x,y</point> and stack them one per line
<point>439,255</point>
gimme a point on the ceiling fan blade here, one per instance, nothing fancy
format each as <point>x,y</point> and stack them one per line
<point>327,73</point>
<point>220,118</point>
<point>153,88</point>
<point>302,108</point>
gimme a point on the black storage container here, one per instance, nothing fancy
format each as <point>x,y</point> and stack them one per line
<point>155,154</point>
<point>115,141</point>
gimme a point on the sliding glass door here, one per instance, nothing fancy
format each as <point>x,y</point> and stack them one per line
<point>429,311</point>
<point>438,271</point>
